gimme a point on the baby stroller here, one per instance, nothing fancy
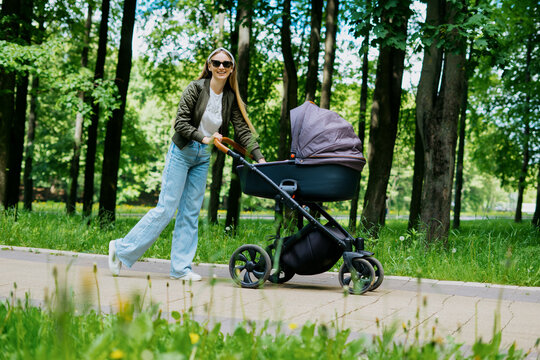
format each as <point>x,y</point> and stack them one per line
<point>325,165</point>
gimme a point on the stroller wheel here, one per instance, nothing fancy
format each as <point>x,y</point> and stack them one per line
<point>360,279</point>
<point>379,272</point>
<point>250,266</point>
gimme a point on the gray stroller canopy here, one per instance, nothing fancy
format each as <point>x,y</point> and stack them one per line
<point>320,136</point>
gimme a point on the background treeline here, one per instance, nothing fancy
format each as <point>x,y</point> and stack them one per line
<point>87,108</point>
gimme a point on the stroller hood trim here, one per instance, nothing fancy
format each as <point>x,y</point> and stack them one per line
<point>320,136</point>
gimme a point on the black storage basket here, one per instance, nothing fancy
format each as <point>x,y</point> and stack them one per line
<point>313,254</point>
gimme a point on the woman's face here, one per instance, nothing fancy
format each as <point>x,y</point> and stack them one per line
<point>221,66</point>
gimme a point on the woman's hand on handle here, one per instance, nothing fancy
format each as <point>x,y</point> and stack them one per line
<point>207,140</point>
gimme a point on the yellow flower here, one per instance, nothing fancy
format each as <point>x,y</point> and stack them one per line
<point>194,338</point>
<point>292,326</point>
<point>117,354</point>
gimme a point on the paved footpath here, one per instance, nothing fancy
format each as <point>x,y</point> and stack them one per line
<point>465,311</point>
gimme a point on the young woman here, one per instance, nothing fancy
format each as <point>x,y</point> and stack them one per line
<point>208,104</point>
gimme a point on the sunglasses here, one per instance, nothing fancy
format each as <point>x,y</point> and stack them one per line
<point>217,63</point>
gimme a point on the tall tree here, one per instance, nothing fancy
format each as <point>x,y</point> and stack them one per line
<point>14,164</point>
<point>28,181</point>
<point>77,139</point>
<point>290,83</point>
<point>314,48</point>
<point>461,143</point>
<point>527,133</point>
<point>439,126</point>
<point>91,142</point>
<point>353,214</point>
<point>9,31</point>
<point>332,11</point>
<point>244,39</point>
<point>113,136</point>
<point>385,112</point>
<point>29,151</point>
<point>417,180</point>
<point>536,216</point>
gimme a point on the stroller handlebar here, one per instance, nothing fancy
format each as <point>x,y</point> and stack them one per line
<point>225,149</point>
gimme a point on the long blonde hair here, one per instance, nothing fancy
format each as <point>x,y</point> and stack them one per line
<point>233,83</point>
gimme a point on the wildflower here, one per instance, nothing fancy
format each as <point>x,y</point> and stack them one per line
<point>292,326</point>
<point>117,354</point>
<point>404,326</point>
<point>438,340</point>
<point>228,228</point>
<point>454,250</point>
<point>194,338</point>
<point>401,238</point>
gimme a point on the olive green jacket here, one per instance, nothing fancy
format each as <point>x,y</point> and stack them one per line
<point>192,107</point>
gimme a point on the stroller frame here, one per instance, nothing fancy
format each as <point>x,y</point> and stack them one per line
<point>366,272</point>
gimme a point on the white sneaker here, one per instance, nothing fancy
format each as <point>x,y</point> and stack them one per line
<point>114,262</point>
<point>189,276</point>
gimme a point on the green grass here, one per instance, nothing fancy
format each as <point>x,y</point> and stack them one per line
<point>61,329</point>
<point>491,251</point>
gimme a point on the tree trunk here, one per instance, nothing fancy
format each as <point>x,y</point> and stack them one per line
<point>29,152</point>
<point>332,12</point>
<point>290,84</point>
<point>426,98</point>
<point>439,137</point>
<point>461,145</point>
<point>77,140</point>
<point>91,145</point>
<point>10,11</point>
<point>383,128</point>
<point>536,216</point>
<point>314,48</point>
<point>417,181</point>
<point>113,137</point>
<point>361,130</point>
<point>16,138</point>
<point>526,152</point>
<point>244,38</point>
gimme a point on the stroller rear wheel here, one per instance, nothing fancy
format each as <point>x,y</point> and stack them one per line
<point>360,279</point>
<point>250,266</point>
<point>379,272</point>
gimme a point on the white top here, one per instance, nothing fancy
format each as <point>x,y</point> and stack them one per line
<point>212,119</point>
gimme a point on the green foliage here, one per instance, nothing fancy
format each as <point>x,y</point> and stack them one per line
<point>381,20</point>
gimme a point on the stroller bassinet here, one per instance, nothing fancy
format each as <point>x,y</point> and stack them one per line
<point>326,159</point>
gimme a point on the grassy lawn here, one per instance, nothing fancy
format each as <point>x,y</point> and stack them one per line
<point>492,251</point>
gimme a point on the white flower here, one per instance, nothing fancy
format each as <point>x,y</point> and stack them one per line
<point>401,238</point>
<point>454,250</point>
<point>228,228</point>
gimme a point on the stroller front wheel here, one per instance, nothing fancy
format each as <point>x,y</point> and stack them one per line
<point>250,266</point>
<point>359,279</point>
<point>379,272</point>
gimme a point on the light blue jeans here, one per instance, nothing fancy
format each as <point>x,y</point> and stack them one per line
<point>182,187</point>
